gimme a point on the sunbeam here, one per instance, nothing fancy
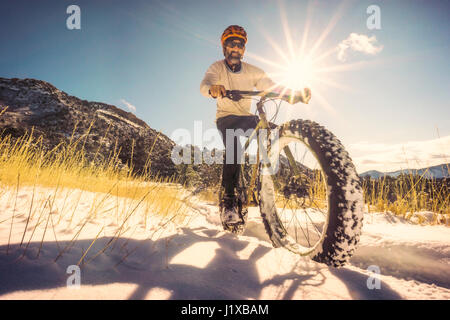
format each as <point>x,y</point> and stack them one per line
<point>331,83</point>
<point>303,65</point>
<point>347,67</point>
<point>274,45</point>
<point>324,102</point>
<point>309,13</point>
<point>287,32</point>
<point>264,60</point>
<point>334,20</point>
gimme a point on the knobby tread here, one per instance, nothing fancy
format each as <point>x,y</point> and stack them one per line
<point>345,199</point>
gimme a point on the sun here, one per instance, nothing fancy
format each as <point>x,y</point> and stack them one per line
<point>298,73</point>
<point>304,62</point>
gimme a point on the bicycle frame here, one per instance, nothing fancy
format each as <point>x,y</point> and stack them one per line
<point>262,124</point>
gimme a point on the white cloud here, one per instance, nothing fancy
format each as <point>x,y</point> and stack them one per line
<point>359,43</point>
<point>128,105</point>
<point>392,157</point>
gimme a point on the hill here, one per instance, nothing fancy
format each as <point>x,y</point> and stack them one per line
<point>58,117</point>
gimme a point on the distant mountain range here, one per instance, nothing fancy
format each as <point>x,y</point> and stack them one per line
<point>439,171</point>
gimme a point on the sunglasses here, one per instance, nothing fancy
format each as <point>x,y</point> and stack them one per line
<point>232,44</point>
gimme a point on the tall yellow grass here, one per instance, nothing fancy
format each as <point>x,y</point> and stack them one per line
<point>25,162</point>
<point>66,166</point>
<point>406,195</point>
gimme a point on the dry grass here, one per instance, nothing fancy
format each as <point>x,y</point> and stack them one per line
<point>210,195</point>
<point>407,195</point>
<point>67,167</point>
<point>25,162</point>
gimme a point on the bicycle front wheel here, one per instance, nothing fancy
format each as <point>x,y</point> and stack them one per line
<point>315,206</point>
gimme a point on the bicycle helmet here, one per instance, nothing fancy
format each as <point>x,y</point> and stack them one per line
<point>234,31</point>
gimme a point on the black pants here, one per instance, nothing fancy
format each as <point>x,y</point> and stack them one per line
<point>231,170</point>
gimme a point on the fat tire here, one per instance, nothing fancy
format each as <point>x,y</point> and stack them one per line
<point>345,196</point>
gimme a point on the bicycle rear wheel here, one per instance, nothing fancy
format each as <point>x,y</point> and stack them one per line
<point>317,209</point>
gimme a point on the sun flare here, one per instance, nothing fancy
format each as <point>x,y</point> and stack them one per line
<point>298,74</point>
<point>304,62</point>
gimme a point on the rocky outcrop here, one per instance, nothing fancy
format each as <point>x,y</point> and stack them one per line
<point>59,117</point>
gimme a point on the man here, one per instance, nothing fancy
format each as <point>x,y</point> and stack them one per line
<point>233,74</point>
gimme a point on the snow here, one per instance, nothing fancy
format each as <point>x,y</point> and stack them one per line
<point>191,257</point>
<point>100,111</point>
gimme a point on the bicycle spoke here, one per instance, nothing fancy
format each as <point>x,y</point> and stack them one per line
<point>301,193</point>
<point>312,222</point>
<point>320,210</point>
<point>307,228</point>
<point>318,231</point>
<point>307,238</point>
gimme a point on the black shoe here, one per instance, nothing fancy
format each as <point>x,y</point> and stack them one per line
<point>230,214</point>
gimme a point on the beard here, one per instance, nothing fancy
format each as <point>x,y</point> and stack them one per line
<point>234,57</point>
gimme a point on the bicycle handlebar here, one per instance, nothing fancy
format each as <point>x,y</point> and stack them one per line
<point>237,95</point>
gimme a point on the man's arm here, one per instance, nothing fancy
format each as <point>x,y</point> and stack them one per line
<point>211,78</point>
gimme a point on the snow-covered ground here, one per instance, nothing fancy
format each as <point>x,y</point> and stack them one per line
<point>191,257</point>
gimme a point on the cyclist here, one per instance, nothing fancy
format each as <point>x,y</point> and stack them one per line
<point>234,74</point>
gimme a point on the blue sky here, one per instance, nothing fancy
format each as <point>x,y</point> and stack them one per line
<point>387,108</point>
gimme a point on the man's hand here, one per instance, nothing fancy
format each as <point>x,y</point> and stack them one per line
<point>217,90</point>
<point>302,96</point>
<point>306,95</point>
